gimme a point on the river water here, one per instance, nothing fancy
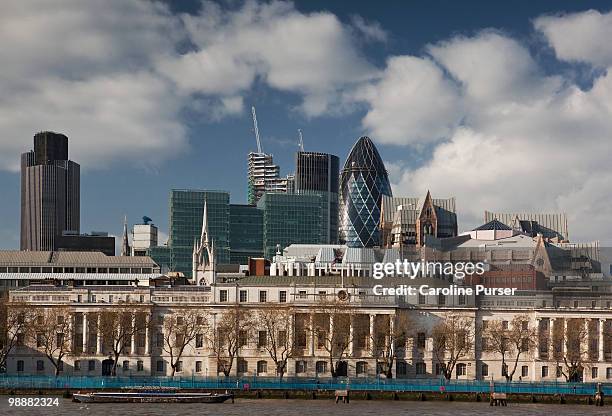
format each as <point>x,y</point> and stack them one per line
<point>271,407</point>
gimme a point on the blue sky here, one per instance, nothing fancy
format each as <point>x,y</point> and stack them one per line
<point>504,105</point>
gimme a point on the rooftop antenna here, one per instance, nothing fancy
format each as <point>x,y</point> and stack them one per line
<point>301,140</point>
<point>259,149</point>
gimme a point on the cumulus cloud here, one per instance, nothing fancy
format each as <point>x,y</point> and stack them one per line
<point>579,37</point>
<point>115,75</point>
<point>372,31</point>
<point>507,136</point>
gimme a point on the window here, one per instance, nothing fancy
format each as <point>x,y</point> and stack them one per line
<point>262,367</point>
<point>282,338</point>
<point>300,366</point>
<point>421,340</point>
<point>484,370</point>
<point>321,367</point>
<point>421,299</point>
<point>263,296</point>
<point>282,296</point>
<point>180,320</point>
<point>20,366</point>
<point>302,294</point>
<point>126,365</point>
<point>594,372</point>
<point>559,371</point>
<point>262,339</point>
<point>461,299</point>
<point>401,368</point>
<point>505,325</point>
<point>91,365</point>
<point>199,340</point>
<point>361,367</point>
<point>40,340</point>
<point>438,369</point>
<point>40,365</point>
<point>609,370</point>
<point>504,370</point>
<point>20,340</point>
<point>243,296</point>
<point>441,299</point>
<point>243,366</point>
<point>242,338</point>
<point>421,368</point>
<point>544,371</point>
<point>59,340</point>
<point>223,295</point>
<point>160,366</point>
<point>524,371</point>
<point>139,365</point>
<point>77,365</point>
<point>461,369</point>
<point>179,366</point>
<point>198,368</point>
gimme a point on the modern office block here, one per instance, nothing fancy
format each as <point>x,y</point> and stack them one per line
<point>50,193</point>
<point>95,241</point>
<point>291,219</point>
<point>317,174</point>
<point>363,183</point>
<point>246,233</point>
<point>186,213</point>
<point>144,236</point>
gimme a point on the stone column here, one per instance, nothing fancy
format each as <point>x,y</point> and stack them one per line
<point>564,338</point>
<point>312,336</point>
<point>72,331</point>
<point>600,339</point>
<point>551,333</point>
<point>331,329</point>
<point>99,336</point>
<point>133,340</point>
<point>84,332</point>
<point>372,318</point>
<point>351,347</point>
<point>147,335</point>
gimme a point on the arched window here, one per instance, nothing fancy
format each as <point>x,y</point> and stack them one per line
<point>262,367</point>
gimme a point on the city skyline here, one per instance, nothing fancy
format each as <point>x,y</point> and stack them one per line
<point>481,156</point>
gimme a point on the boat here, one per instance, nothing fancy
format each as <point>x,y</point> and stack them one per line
<point>151,397</point>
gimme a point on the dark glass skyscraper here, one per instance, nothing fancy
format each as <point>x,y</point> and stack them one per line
<point>363,182</point>
<point>317,174</point>
<point>50,193</point>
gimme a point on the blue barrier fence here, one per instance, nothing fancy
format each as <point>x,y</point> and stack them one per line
<point>299,384</point>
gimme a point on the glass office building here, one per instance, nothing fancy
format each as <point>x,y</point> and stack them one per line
<point>291,219</point>
<point>186,211</point>
<point>317,174</point>
<point>363,182</point>
<point>245,233</point>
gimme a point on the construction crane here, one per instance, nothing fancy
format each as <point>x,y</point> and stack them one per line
<point>301,140</point>
<point>259,149</point>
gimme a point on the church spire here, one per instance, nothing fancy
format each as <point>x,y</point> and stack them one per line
<point>125,243</point>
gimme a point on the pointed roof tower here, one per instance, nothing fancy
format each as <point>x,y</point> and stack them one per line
<point>125,243</point>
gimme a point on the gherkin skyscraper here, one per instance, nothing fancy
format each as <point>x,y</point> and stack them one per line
<point>363,182</point>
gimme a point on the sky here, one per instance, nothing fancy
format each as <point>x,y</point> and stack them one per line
<point>507,106</point>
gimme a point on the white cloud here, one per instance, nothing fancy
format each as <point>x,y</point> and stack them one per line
<point>109,74</point>
<point>579,37</point>
<point>372,31</point>
<point>413,102</point>
<point>526,141</point>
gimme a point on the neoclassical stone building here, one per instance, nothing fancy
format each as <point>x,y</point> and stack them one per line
<point>415,357</point>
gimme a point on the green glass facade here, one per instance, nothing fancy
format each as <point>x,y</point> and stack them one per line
<point>246,233</point>
<point>162,256</point>
<point>291,219</point>
<point>186,211</point>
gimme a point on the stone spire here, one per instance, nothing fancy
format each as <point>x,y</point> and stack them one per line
<point>204,255</point>
<point>125,243</point>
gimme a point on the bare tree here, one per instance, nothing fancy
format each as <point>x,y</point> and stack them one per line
<point>51,333</point>
<point>571,349</point>
<point>15,321</point>
<point>180,329</point>
<point>275,335</point>
<point>390,332</point>
<point>232,332</point>
<point>118,325</point>
<point>510,340</point>
<point>332,329</point>
<point>453,340</point>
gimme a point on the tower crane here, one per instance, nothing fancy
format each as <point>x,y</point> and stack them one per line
<point>259,149</point>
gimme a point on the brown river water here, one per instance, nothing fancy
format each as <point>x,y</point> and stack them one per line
<point>279,407</point>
